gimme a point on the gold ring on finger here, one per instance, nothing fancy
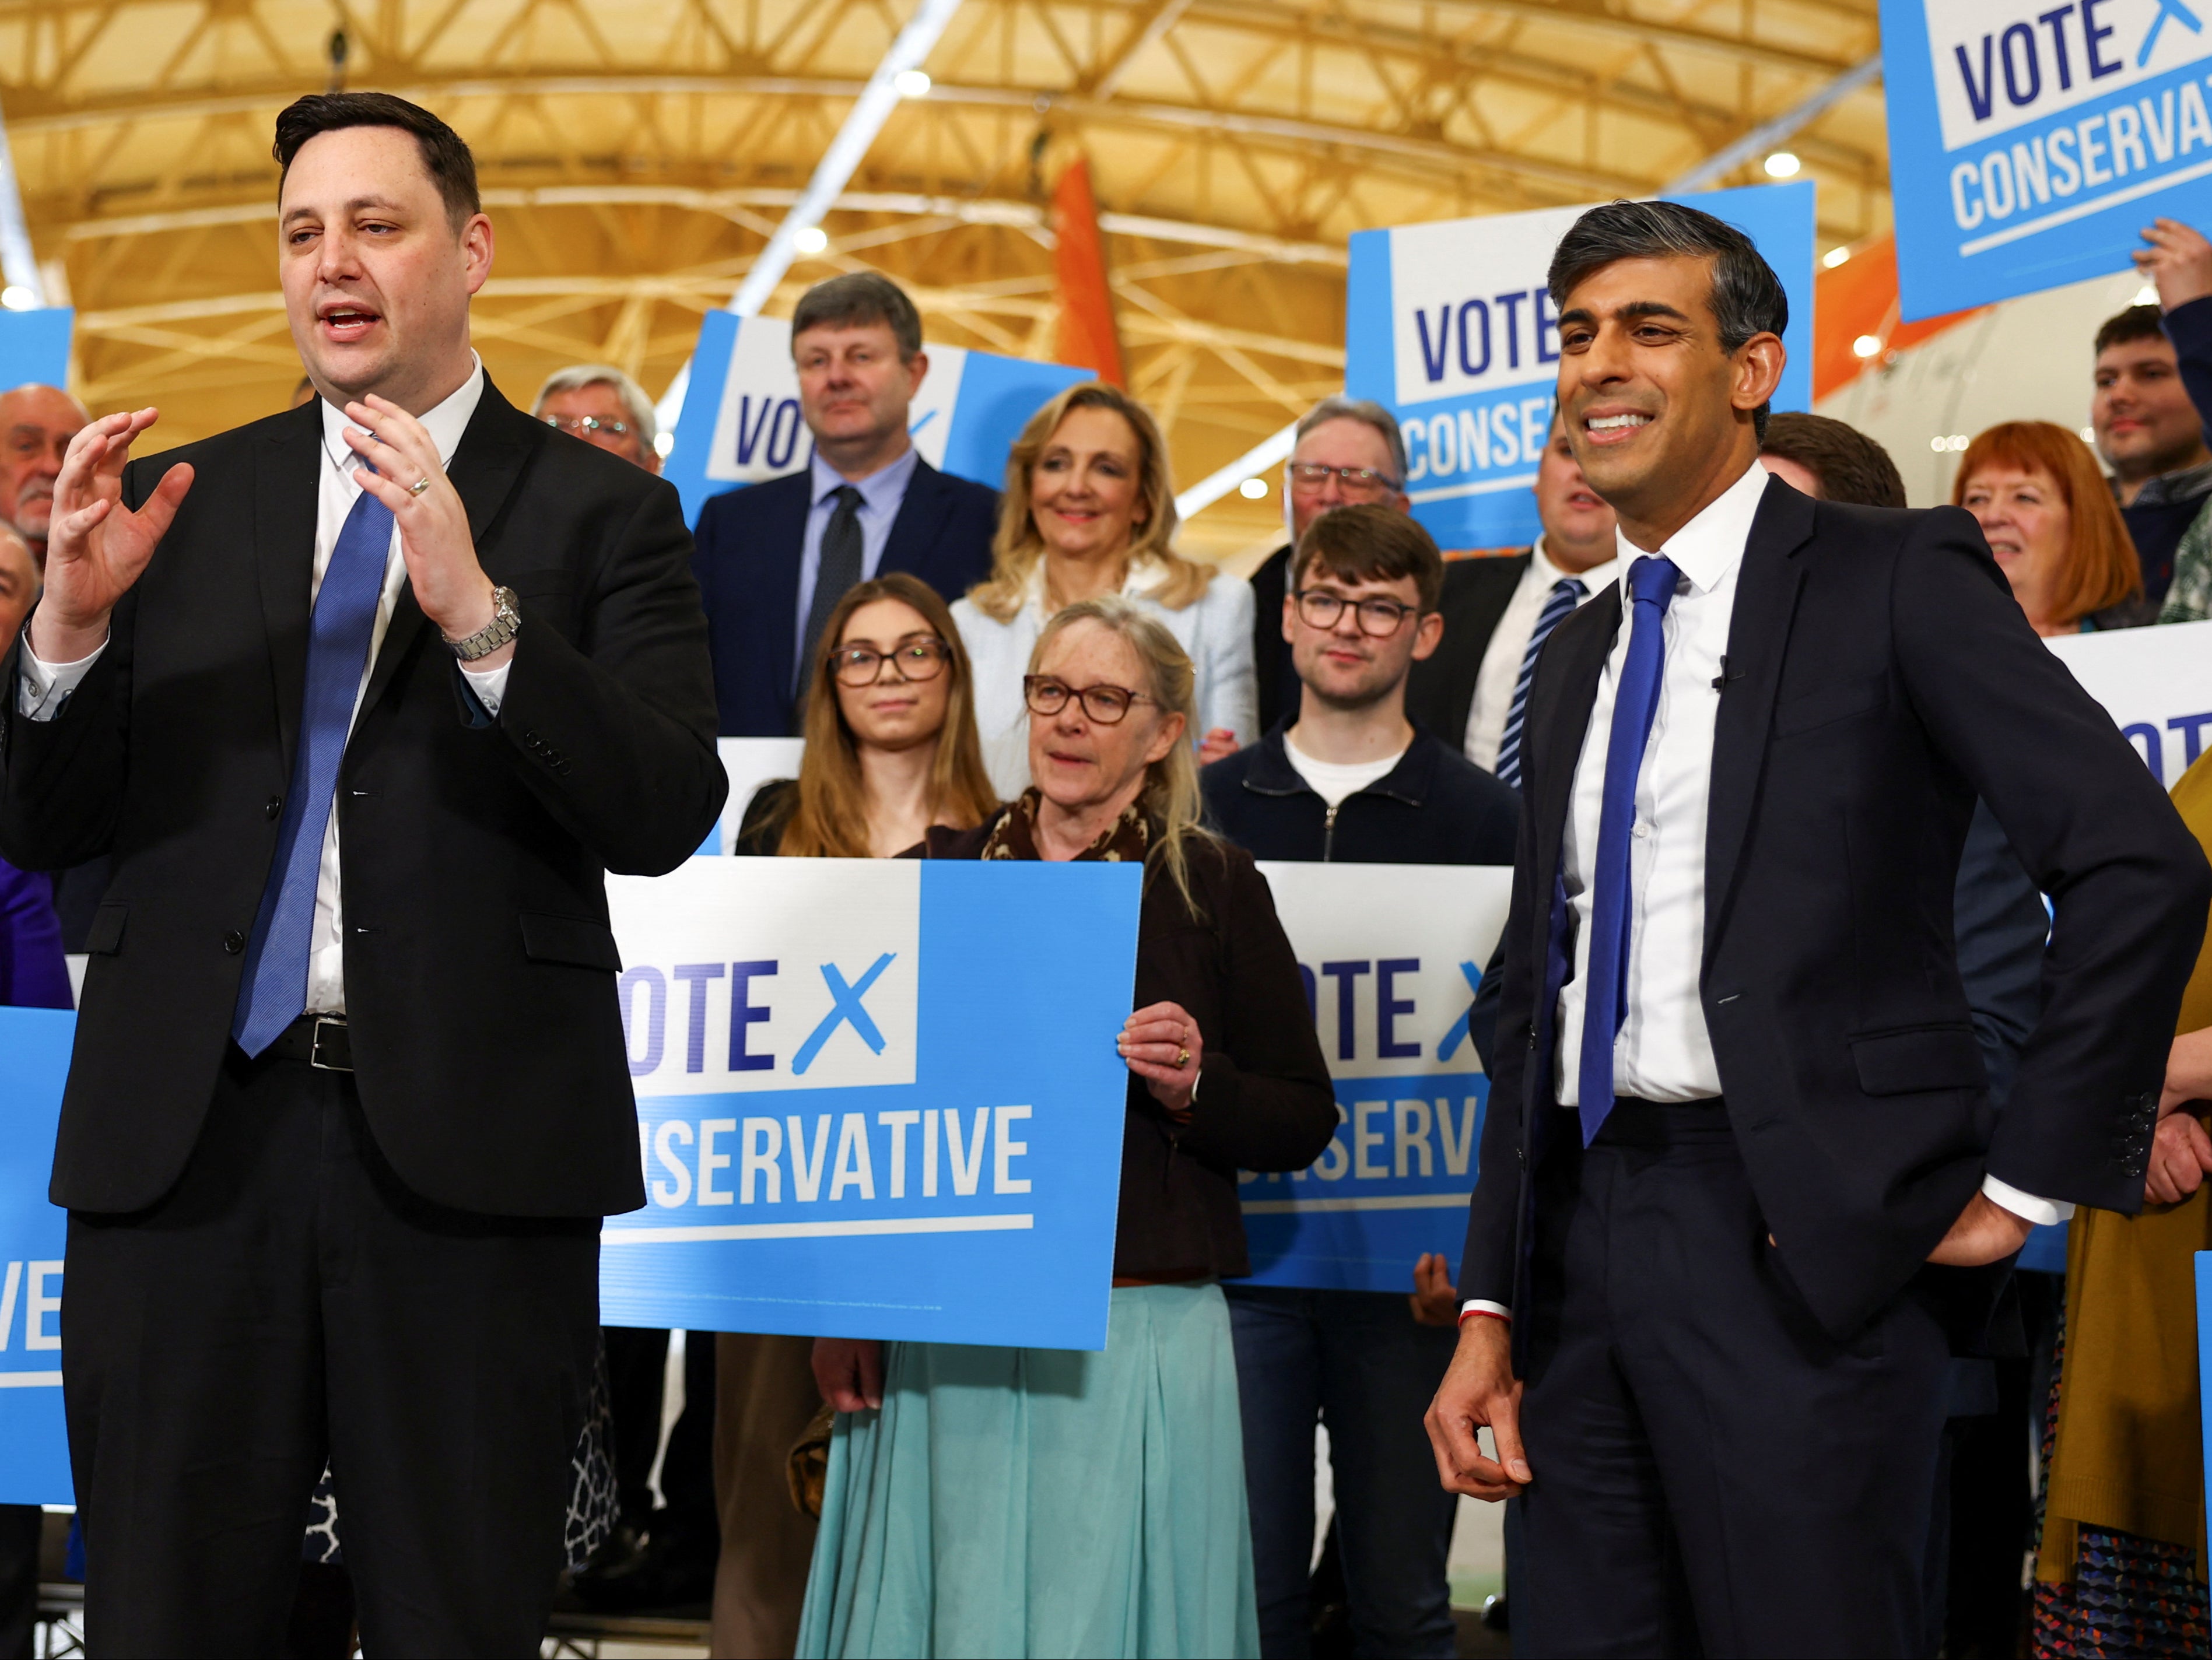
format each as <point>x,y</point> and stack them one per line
<point>1183,1059</point>
<point>419,485</point>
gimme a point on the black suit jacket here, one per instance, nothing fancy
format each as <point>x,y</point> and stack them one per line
<point>1440,689</point>
<point>1879,677</point>
<point>747,566</point>
<point>479,967</point>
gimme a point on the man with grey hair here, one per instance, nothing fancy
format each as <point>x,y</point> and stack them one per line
<point>36,425</point>
<point>600,404</point>
<point>774,558</point>
<point>1348,449</point>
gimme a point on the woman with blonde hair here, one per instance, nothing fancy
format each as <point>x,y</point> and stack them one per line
<point>985,1500</point>
<point>1088,511</point>
<point>891,752</point>
<point>2050,518</point>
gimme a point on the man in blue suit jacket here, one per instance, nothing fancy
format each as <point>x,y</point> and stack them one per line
<point>774,558</point>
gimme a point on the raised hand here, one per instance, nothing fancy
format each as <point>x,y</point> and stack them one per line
<point>2178,260</point>
<point>97,546</point>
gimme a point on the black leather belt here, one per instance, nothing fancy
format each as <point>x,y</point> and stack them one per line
<point>318,1039</point>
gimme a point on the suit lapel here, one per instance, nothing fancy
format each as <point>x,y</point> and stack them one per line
<point>1559,721</point>
<point>777,572</point>
<point>1759,636</point>
<point>287,478</point>
<point>484,469</point>
<point>916,526</point>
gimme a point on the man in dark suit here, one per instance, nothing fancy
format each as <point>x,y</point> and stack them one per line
<point>774,558</point>
<point>1498,612</point>
<point>1347,450</point>
<point>1738,1109</point>
<point>363,699</point>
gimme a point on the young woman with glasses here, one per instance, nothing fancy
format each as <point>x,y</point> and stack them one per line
<point>992,1500</point>
<point>1089,509</point>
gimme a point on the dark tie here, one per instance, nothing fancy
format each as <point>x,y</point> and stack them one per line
<point>274,991</point>
<point>835,575</point>
<point>1559,605</point>
<point>1650,589</point>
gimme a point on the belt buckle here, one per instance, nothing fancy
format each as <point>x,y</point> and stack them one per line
<point>315,1048</point>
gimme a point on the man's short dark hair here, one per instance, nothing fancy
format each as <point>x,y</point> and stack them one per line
<point>2136,322</point>
<point>1746,297</point>
<point>445,157</point>
<point>1366,542</point>
<point>1851,466</point>
<point>854,301</point>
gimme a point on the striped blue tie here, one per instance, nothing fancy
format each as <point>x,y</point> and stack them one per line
<point>1559,605</point>
<point>274,992</point>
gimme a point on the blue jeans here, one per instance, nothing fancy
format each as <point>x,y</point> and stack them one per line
<point>1358,1362</point>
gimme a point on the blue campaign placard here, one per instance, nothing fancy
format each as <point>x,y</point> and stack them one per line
<point>2204,1358</point>
<point>2029,142</point>
<point>34,1056</point>
<point>876,1098</point>
<point>1391,955</point>
<point>35,346</point>
<point>1449,326</point>
<point>741,421</point>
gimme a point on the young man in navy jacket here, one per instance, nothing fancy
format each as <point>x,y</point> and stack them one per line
<point>1347,777</point>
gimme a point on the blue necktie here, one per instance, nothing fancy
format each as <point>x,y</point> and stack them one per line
<point>1650,589</point>
<point>274,992</point>
<point>1559,605</point>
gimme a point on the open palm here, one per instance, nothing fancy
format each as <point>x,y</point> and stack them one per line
<point>98,547</point>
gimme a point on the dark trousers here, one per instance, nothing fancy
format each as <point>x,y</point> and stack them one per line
<point>637,1376</point>
<point>22,1528</point>
<point>1713,1474</point>
<point>1358,1362</point>
<point>289,1300</point>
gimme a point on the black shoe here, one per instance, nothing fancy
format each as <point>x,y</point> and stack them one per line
<point>674,1568</point>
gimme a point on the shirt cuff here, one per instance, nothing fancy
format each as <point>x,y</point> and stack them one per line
<point>1478,1305</point>
<point>44,687</point>
<point>2044,1213</point>
<point>489,685</point>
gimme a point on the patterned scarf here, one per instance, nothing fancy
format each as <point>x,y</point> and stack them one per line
<point>1014,836</point>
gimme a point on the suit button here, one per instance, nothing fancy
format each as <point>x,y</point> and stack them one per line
<point>272,806</point>
<point>233,941</point>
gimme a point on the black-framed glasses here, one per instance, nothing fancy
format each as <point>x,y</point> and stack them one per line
<point>1368,479</point>
<point>915,659</point>
<point>1107,705</point>
<point>1378,619</point>
<point>578,426</point>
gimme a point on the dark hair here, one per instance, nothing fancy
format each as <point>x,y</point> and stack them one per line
<point>1746,297</point>
<point>1366,542</point>
<point>1851,466</point>
<point>445,157</point>
<point>2136,322</point>
<point>856,299</point>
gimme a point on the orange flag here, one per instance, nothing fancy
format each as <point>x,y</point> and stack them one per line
<point>1086,337</point>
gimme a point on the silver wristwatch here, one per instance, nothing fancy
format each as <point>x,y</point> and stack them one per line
<point>505,623</point>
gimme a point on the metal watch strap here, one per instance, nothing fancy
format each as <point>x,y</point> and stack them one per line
<point>505,623</point>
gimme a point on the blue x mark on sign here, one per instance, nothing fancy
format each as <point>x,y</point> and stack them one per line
<point>2176,10</point>
<point>845,1007</point>
<point>1458,1033</point>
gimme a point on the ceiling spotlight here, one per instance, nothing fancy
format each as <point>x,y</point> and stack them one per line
<point>911,84</point>
<point>2089,435</point>
<point>2146,295</point>
<point>1867,345</point>
<point>1253,489</point>
<point>1835,256</point>
<point>1782,164</point>
<point>810,239</point>
<point>17,298</point>
<point>664,444</point>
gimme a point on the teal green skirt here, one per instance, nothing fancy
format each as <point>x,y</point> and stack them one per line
<point>1044,1502</point>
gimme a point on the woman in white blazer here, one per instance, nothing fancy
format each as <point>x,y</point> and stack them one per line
<point>1089,509</point>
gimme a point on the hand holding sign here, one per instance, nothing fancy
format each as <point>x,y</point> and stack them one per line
<point>2178,260</point>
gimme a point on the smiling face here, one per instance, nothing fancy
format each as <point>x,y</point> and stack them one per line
<point>376,277</point>
<point>2144,421</point>
<point>1578,523</point>
<point>1086,488</point>
<point>2029,526</point>
<point>36,425</point>
<point>892,713</point>
<point>854,387</point>
<point>1077,762</point>
<point>1657,414</point>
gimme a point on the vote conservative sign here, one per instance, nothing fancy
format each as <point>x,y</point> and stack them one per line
<point>34,1055</point>
<point>877,1098</point>
<point>741,422</point>
<point>1450,325</point>
<point>2032,139</point>
<point>1391,955</point>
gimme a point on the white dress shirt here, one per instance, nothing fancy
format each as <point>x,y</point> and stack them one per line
<point>1215,629</point>
<point>1663,1051</point>
<point>46,686</point>
<point>1509,643</point>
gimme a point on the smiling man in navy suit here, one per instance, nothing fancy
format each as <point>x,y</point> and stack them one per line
<point>774,560</point>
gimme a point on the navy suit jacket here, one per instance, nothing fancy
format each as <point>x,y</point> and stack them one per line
<point>749,545</point>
